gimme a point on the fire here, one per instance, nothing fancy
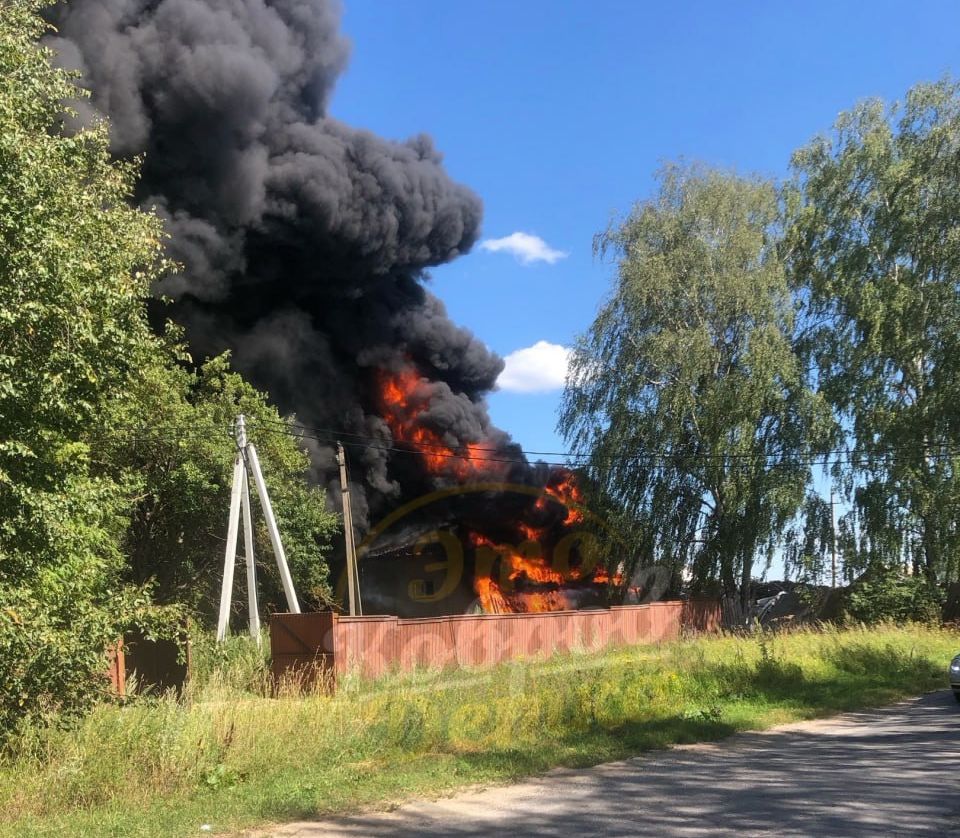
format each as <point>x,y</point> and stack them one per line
<point>550,601</point>
<point>514,562</point>
<point>564,488</point>
<point>405,396</point>
<point>491,599</point>
<point>519,563</point>
<point>530,533</point>
<point>602,576</point>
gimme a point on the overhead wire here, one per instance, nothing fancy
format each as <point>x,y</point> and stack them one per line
<point>828,458</point>
<point>310,432</point>
<point>145,432</point>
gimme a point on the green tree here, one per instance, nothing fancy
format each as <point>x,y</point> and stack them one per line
<point>114,455</point>
<point>685,392</point>
<point>170,442</point>
<point>76,263</point>
<point>808,544</point>
<point>874,252</point>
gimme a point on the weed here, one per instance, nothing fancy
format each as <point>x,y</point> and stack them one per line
<point>235,747</point>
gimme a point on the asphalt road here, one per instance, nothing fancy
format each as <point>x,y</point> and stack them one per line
<point>886,772</point>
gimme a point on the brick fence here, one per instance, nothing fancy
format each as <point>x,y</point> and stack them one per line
<point>377,645</point>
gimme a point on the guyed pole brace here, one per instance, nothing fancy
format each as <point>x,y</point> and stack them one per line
<point>247,465</point>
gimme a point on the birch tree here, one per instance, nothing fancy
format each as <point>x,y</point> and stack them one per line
<point>685,394</point>
<point>874,253</point>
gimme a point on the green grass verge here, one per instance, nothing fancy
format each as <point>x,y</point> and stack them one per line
<point>228,757</point>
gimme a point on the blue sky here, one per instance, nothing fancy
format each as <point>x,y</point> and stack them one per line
<point>558,114</point>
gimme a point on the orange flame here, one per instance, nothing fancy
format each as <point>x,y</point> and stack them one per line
<point>564,488</point>
<point>491,599</point>
<point>523,561</point>
<point>530,532</point>
<point>602,576</point>
<point>405,396</point>
<point>550,601</point>
<point>516,564</point>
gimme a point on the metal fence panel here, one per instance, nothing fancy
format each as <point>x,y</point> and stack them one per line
<point>377,645</point>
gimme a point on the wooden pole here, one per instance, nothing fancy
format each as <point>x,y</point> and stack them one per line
<point>353,583</point>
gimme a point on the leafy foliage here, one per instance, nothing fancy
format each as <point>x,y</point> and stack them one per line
<point>890,595</point>
<point>98,515</point>
<point>171,441</point>
<point>75,264</point>
<point>874,252</point>
<point>686,392</point>
<point>808,544</point>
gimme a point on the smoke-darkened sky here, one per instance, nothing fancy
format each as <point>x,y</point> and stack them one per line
<point>556,119</point>
<point>303,241</point>
<point>557,114</point>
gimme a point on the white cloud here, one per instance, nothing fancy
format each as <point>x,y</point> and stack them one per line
<point>525,247</point>
<point>535,369</point>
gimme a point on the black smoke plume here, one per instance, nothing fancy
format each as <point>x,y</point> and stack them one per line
<point>304,242</point>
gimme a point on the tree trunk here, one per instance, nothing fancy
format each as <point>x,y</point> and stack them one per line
<point>931,550</point>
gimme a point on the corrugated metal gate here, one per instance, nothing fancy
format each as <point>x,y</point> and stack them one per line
<point>301,645</point>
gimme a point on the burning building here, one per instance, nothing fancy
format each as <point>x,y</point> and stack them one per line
<point>304,245</point>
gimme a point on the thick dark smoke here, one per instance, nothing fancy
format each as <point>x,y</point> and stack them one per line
<point>304,241</point>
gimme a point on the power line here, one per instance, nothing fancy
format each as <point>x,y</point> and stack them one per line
<point>449,453</point>
<point>448,450</point>
<point>474,453</point>
<point>837,457</point>
<point>337,434</point>
<point>437,445</point>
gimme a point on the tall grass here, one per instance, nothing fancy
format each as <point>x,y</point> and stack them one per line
<point>228,754</point>
<point>236,667</point>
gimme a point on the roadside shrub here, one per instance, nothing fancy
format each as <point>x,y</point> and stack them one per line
<point>890,595</point>
<point>53,660</point>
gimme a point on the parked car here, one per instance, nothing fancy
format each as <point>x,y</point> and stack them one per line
<point>955,677</point>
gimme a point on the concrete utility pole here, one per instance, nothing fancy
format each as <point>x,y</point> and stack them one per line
<point>353,581</point>
<point>230,556</point>
<point>272,529</point>
<point>252,608</point>
<point>240,496</point>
